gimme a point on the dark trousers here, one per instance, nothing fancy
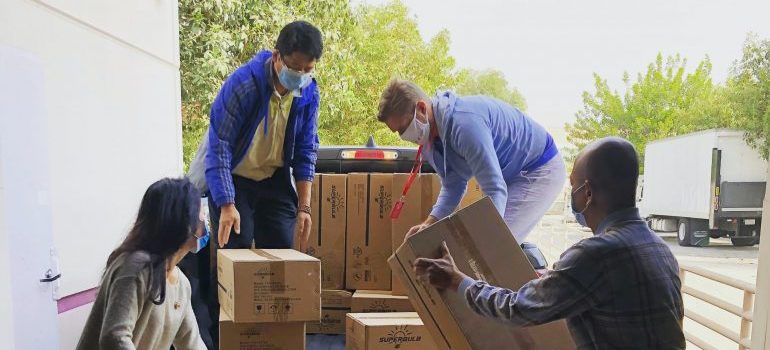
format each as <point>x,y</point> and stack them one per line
<point>268,211</point>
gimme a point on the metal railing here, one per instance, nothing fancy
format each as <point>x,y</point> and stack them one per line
<point>745,312</point>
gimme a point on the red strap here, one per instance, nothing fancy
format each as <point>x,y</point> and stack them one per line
<point>396,211</point>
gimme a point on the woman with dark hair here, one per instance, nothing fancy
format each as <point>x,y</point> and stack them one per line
<point>144,299</point>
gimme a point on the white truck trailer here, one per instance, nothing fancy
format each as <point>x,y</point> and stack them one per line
<point>703,185</point>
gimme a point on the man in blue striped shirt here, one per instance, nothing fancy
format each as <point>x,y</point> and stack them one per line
<point>619,289</point>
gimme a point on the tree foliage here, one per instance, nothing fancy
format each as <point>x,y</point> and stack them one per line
<point>664,101</point>
<point>748,92</point>
<point>490,82</point>
<point>364,48</point>
<point>386,44</point>
<point>216,36</point>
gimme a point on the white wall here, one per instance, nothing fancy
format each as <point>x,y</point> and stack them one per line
<point>112,100</point>
<point>25,196</point>
<point>6,317</point>
<point>760,336</point>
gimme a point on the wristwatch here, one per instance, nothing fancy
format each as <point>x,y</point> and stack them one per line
<point>305,209</point>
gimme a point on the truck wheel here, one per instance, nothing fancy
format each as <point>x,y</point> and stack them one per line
<point>693,232</point>
<point>684,233</point>
<point>743,241</point>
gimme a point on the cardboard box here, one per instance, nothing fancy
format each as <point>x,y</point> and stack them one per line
<point>273,336</point>
<point>369,231</point>
<point>335,304</point>
<point>472,193</point>
<point>483,248</point>
<point>269,285</point>
<point>387,331</point>
<point>417,206</point>
<point>327,235</point>
<point>379,301</point>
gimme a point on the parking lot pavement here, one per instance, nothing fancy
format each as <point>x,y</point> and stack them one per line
<point>553,235</point>
<point>720,248</point>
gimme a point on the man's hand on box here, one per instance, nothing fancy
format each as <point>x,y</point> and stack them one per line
<point>441,273</point>
<point>429,221</point>
<point>414,229</point>
<point>304,222</point>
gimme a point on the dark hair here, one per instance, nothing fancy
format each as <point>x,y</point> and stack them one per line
<point>168,216</point>
<point>613,170</point>
<point>300,36</point>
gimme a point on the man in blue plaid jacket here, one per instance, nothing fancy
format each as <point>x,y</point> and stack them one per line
<point>619,289</point>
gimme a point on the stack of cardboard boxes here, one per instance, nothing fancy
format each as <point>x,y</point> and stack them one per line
<point>417,206</point>
<point>370,199</point>
<point>266,296</point>
<point>344,284</point>
<point>327,243</point>
<point>353,235</point>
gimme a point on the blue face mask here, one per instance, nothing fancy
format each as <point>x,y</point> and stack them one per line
<point>293,80</point>
<point>579,217</point>
<point>203,240</point>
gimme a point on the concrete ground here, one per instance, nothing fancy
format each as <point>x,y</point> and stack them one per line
<point>554,235</point>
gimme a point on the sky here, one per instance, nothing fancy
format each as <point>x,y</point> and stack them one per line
<point>549,49</point>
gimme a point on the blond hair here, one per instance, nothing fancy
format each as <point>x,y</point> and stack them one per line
<point>399,98</point>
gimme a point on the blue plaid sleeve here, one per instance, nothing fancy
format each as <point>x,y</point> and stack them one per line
<point>306,149</point>
<point>227,117</point>
<point>571,288</point>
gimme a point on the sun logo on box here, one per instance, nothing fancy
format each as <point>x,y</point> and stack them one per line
<point>400,335</point>
<point>336,201</point>
<point>379,306</point>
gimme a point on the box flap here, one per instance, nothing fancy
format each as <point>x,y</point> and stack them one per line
<point>377,294</point>
<point>384,316</point>
<point>336,299</point>
<point>224,317</point>
<point>259,255</point>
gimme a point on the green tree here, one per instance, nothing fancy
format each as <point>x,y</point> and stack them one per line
<point>490,82</point>
<point>387,44</point>
<point>748,91</point>
<point>217,36</point>
<point>663,101</point>
<point>363,49</point>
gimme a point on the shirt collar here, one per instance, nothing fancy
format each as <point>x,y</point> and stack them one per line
<point>616,217</point>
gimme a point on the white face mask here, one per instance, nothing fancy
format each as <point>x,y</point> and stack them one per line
<point>417,132</point>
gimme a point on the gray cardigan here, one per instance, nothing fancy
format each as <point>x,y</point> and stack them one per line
<point>124,317</point>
